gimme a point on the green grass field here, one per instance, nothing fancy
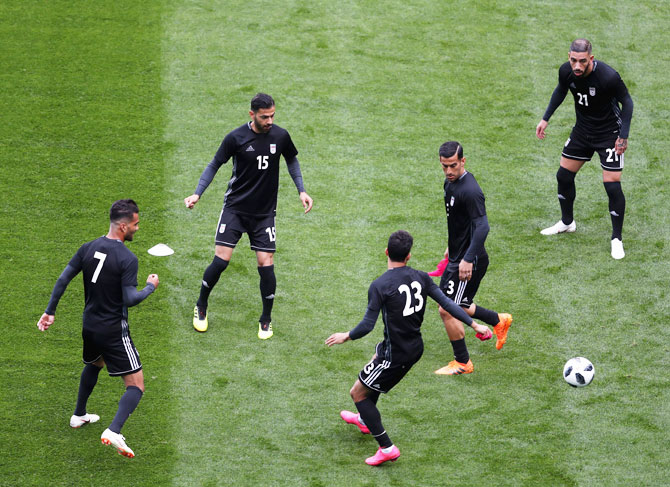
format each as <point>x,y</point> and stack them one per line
<point>108,100</point>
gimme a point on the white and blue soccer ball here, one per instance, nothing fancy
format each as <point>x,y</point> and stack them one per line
<point>578,372</point>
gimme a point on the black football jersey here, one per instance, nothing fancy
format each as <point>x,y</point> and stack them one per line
<point>107,266</point>
<point>254,183</point>
<point>400,293</point>
<point>464,201</point>
<point>597,97</point>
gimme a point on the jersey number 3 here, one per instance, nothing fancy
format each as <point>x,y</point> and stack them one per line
<point>409,308</point>
<point>101,257</point>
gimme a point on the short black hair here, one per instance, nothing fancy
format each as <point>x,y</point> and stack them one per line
<point>581,45</point>
<point>261,100</point>
<point>450,148</point>
<point>400,243</point>
<point>123,210</point>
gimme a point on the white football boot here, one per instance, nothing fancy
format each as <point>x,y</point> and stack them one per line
<point>79,421</point>
<point>617,249</point>
<point>560,227</point>
<point>117,441</point>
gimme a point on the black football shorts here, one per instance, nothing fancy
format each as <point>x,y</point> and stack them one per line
<point>463,292</point>
<point>581,147</point>
<point>116,348</point>
<point>382,375</point>
<point>261,231</point>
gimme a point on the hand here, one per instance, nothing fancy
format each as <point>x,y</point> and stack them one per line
<point>465,270</point>
<point>45,322</point>
<point>446,253</point>
<point>479,328</point>
<point>337,338</point>
<point>307,202</point>
<point>153,279</point>
<point>191,200</point>
<point>539,130</point>
<point>620,146</point>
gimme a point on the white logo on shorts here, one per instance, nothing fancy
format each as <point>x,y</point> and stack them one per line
<point>273,148</point>
<point>222,228</point>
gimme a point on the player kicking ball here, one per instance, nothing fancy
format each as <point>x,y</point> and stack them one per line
<point>401,292</point>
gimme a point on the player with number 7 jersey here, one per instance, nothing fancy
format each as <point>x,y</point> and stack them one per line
<point>110,288</point>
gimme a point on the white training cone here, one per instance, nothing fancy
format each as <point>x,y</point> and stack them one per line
<point>160,250</point>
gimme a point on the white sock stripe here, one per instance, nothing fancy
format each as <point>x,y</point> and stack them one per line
<point>375,436</point>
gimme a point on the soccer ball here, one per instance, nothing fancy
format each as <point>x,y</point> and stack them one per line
<point>578,372</point>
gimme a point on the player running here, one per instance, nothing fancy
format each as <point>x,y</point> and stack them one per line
<point>468,228</point>
<point>250,203</point>
<point>400,294</point>
<point>110,288</point>
<point>602,126</point>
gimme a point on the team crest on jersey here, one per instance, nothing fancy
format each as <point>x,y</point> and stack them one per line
<point>451,203</point>
<point>273,148</point>
<point>592,90</point>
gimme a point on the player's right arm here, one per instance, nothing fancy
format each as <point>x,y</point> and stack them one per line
<point>225,152</point>
<point>47,319</point>
<point>366,325</point>
<point>557,98</point>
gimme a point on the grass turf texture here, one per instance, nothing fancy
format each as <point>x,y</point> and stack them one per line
<point>118,100</point>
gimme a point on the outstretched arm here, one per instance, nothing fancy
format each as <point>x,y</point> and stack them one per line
<point>557,98</point>
<point>47,319</point>
<point>365,326</point>
<point>206,178</point>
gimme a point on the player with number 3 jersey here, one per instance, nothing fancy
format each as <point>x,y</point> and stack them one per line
<point>468,228</point>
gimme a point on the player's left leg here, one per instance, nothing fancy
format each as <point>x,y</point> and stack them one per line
<point>612,165</point>
<point>617,208</point>
<point>131,398</point>
<point>365,400</point>
<point>268,286</point>
<point>123,359</point>
<point>262,238</point>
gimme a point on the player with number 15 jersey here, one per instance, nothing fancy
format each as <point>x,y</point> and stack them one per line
<point>250,203</point>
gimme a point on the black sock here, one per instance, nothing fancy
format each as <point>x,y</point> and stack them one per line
<point>617,207</point>
<point>486,315</point>
<point>88,380</point>
<point>268,287</point>
<point>460,350</point>
<point>209,280</point>
<point>373,420</point>
<point>127,404</point>
<point>566,193</point>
